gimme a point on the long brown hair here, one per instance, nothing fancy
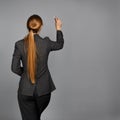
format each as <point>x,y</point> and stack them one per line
<point>34,24</point>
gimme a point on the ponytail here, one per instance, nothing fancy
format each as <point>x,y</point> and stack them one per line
<point>34,24</point>
<point>31,56</point>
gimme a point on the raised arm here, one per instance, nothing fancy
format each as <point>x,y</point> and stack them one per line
<point>15,65</point>
<point>59,43</point>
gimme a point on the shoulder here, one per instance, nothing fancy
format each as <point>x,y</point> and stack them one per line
<point>19,42</point>
<point>47,39</point>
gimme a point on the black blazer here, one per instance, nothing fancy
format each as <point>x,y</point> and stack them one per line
<point>44,80</point>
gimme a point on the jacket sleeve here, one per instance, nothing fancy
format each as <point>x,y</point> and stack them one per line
<point>56,45</point>
<point>16,66</point>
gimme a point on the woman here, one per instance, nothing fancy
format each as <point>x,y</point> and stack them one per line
<point>30,62</point>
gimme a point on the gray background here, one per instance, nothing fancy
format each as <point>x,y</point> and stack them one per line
<point>86,71</point>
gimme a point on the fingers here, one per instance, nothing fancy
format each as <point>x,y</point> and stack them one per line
<point>56,19</point>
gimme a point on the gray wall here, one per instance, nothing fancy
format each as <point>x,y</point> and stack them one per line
<point>86,71</point>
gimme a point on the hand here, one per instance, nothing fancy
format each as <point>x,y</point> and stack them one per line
<point>58,23</point>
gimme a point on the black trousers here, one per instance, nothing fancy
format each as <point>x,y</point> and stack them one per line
<point>31,107</point>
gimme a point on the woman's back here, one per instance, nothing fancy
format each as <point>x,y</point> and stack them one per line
<point>43,77</point>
